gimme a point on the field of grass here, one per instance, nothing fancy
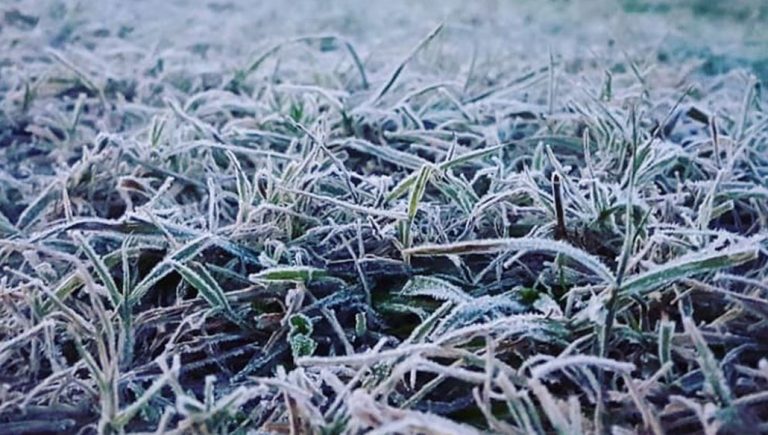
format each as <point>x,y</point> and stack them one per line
<point>383,217</point>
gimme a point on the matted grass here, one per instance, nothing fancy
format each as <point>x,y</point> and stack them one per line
<point>388,218</point>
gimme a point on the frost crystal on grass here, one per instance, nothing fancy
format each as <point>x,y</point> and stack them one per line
<point>383,217</point>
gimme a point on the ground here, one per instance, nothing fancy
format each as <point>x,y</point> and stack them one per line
<point>387,217</point>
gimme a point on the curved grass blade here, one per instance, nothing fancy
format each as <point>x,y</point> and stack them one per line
<point>491,246</point>
<point>102,271</point>
<point>687,266</point>
<point>183,254</point>
<point>35,209</point>
<point>396,73</point>
<point>434,288</point>
<point>709,365</point>
<point>206,286</point>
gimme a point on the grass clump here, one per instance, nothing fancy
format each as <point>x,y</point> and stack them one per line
<point>325,239</point>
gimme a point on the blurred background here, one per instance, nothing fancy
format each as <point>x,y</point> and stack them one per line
<point>225,34</point>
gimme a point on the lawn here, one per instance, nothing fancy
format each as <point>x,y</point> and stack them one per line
<point>353,217</point>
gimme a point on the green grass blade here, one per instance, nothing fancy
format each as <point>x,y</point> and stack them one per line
<point>102,271</point>
<point>689,265</point>
<point>492,246</point>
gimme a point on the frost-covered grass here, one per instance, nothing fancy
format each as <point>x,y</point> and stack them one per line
<point>383,217</point>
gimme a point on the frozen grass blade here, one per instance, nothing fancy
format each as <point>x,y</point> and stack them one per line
<point>102,271</point>
<point>666,330</point>
<point>6,227</point>
<point>494,246</point>
<point>396,73</point>
<point>184,253</point>
<point>435,288</point>
<point>708,363</point>
<point>289,273</point>
<point>33,212</point>
<point>709,260</point>
<point>208,288</point>
<point>244,190</point>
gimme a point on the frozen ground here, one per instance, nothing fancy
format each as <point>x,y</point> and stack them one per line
<point>398,217</point>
